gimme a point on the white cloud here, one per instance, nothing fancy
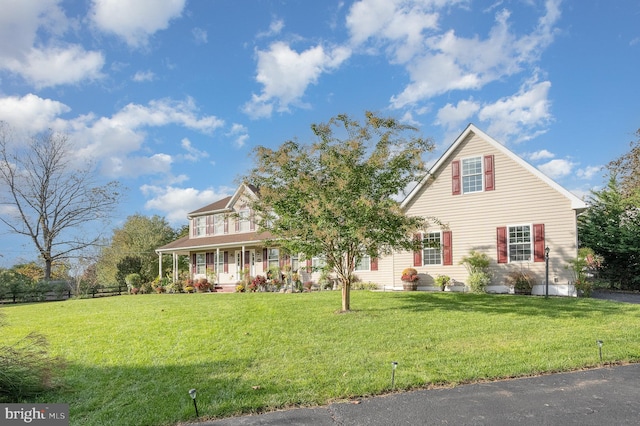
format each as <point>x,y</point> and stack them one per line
<point>134,166</point>
<point>516,116</point>
<point>40,63</point>
<point>444,62</point>
<point>543,154</point>
<point>141,76</point>
<point>588,172</point>
<point>452,116</point>
<point>30,113</point>
<point>275,28</point>
<point>239,133</point>
<point>285,75</point>
<point>193,154</point>
<point>135,21</point>
<point>557,168</point>
<point>175,203</point>
<point>199,35</point>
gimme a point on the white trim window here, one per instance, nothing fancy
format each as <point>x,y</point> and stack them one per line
<point>243,218</point>
<point>218,224</point>
<point>201,226</point>
<point>318,262</point>
<point>273,258</point>
<point>201,263</point>
<point>472,175</point>
<point>363,264</point>
<point>520,243</point>
<point>432,248</point>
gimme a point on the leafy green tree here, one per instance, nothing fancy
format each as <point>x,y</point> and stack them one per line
<point>337,196</point>
<point>626,168</point>
<point>610,227</point>
<point>50,200</point>
<point>138,238</point>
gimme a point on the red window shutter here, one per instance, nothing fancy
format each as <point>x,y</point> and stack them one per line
<point>237,221</point>
<point>417,255</point>
<point>193,227</point>
<point>502,245</point>
<point>210,260</point>
<point>252,222</point>
<point>455,177</point>
<point>489,177</point>
<point>264,259</point>
<point>309,265</point>
<point>538,242</point>
<point>209,225</point>
<point>225,266</point>
<point>374,263</point>
<point>193,263</point>
<point>447,252</point>
<point>226,224</point>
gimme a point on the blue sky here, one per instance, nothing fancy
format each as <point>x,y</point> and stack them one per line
<point>171,96</point>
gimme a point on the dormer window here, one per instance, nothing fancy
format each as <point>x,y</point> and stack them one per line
<point>201,226</point>
<point>244,220</point>
<point>475,174</point>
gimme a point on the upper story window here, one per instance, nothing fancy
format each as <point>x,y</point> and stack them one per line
<point>218,224</point>
<point>520,243</point>
<point>471,175</point>
<point>475,174</point>
<point>432,249</point>
<point>200,226</point>
<point>243,220</point>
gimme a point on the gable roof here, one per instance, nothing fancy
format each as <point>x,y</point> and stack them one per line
<point>225,204</point>
<point>576,203</point>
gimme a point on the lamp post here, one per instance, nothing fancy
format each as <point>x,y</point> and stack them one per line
<point>192,394</point>
<point>546,271</point>
<point>599,343</point>
<point>394,365</point>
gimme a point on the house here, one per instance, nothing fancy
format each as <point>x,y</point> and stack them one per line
<point>485,197</point>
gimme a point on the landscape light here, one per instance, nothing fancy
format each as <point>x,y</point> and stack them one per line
<point>394,365</point>
<point>192,394</point>
<point>546,271</point>
<point>600,342</point>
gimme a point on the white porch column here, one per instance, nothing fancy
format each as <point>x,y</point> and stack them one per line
<point>216,265</point>
<point>175,267</point>
<point>160,265</point>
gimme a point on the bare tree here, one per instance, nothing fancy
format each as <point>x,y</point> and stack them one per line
<point>51,200</point>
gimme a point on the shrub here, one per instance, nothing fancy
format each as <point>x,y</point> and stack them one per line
<point>521,281</point>
<point>364,286</point>
<point>476,262</point>
<point>26,368</point>
<point>240,288</point>
<point>442,281</point>
<point>478,281</point>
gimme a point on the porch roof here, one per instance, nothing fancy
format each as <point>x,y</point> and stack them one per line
<point>187,244</point>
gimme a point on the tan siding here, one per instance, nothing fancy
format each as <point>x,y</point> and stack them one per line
<point>519,197</point>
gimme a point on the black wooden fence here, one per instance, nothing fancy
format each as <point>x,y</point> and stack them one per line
<point>32,296</point>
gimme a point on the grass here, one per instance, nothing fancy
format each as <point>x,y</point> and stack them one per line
<point>132,359</point>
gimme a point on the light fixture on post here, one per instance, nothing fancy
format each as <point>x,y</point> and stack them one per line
<point>599,343</point>
<point>394,365</point>
<point>546,271</point>
<point>192,394</point>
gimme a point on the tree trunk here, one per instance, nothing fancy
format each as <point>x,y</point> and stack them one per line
<point>346,296</point>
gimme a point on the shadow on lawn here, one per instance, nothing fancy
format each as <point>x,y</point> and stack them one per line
<point>157,395</point>
<point>553,307</point>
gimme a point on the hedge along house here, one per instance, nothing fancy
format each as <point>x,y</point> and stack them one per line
<point>487,198</point>
<point>492,201</point>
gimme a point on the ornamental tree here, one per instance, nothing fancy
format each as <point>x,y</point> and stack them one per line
<point>337,197</point>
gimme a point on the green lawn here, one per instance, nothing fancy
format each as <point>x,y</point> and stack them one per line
<point>133,359</point>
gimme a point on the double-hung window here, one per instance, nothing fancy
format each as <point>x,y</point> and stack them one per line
<point>520,243</point>
<point>201,263</point>
<point>243,218</point>
<point>218,224</point>
<point>432,248</point>
<point>273,258</point>
<point>471,175</point>
<point>363,264</point>
<point>201,226</point>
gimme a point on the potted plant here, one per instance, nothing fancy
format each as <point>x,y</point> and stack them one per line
<point>443,281</point>
<point>410,279</point>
